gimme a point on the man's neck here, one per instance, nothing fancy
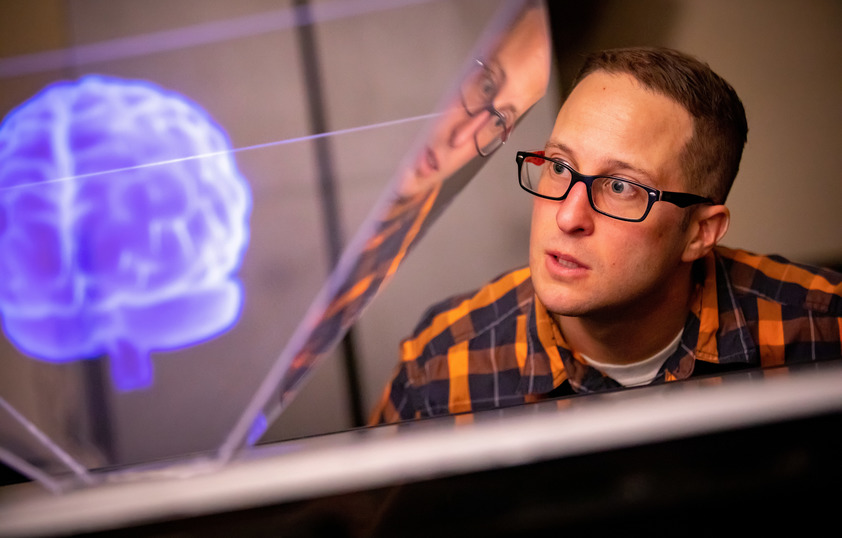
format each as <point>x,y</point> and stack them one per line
<point>631,335</point>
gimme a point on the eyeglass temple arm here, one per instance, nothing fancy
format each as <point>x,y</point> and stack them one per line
<point>684,199</point>
<point>534,157</point>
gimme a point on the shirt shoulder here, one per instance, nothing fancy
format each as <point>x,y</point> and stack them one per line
<point>464,317</point>
<point>779,280</point>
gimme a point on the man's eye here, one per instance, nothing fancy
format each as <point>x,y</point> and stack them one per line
<point>500,122</point>
<point>487,87</point>
<point>619,187</point>
<point>559,169</point>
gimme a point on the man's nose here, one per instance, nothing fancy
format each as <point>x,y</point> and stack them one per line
<point>575,214</point>
<point>463,131</point>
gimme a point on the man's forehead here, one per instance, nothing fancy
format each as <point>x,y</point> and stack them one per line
<point>624,98</point>
<point>622,82</point>
<point>523,57</point>
<point>611,123</point>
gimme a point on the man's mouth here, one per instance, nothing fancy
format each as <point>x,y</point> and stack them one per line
<point>427,162</point>
<point>432,160</point>
<point>568,262</point>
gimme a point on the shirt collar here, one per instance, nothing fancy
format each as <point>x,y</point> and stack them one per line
<point>716,331</point>
<point>550,361</point>
<point>724,335</point>
<point>706,309</point>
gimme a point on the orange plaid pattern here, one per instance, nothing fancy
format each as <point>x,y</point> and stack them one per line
<point>498,346</point>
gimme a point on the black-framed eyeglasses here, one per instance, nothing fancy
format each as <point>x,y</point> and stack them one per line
<point>478,92</point>
<point>613,197</point>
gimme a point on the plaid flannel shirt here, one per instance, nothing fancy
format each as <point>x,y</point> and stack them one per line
<point>499,346</point>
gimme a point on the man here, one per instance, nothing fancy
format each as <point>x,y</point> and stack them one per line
<point>626,285</point>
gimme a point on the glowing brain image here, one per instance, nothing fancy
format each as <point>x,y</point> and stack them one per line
<point>115,238</point>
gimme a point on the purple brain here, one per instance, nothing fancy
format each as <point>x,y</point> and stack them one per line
<point>123,220</point>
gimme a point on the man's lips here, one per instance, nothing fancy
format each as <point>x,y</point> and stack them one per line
<point>432,160</point>
<point>427,162</point>
<point>566,262</point>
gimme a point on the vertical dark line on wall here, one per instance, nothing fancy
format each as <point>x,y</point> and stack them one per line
<point>100,422</point>
<point>324,165</point>
<point>98,402</point>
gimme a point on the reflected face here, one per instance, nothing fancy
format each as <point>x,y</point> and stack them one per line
<point>511,80</point>
<point>587,264</point>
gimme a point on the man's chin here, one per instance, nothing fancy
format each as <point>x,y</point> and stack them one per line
<point>561,306</point>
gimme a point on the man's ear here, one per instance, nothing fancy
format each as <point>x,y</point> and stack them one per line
<point>707,226</point>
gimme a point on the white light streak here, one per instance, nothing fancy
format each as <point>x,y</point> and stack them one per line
<point>275,143</point>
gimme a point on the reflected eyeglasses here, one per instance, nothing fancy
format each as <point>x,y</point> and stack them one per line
<point>611,196</point>
<point>478,92</point>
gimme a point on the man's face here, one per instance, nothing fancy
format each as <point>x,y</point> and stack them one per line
<point>587,264</point>
<point>520,66</point>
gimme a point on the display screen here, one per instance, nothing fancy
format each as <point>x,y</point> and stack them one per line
<point>195,211</point>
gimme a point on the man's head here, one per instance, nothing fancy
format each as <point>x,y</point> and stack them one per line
<point>613,123</point>
<point>711,158</point>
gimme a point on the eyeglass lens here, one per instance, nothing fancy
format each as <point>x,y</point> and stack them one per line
<point>612,196</point>
<point>478,93</point>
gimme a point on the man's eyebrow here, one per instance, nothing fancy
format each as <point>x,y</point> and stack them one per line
<point>494,66</point>
<point>614,164</point>
<point>511,110</point>
<point>557,145</point>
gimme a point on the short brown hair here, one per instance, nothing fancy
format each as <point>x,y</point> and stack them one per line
<point>711,158</point>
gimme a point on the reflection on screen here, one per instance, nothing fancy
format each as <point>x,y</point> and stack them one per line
<point>115,238</point>
<point>124,220</point>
